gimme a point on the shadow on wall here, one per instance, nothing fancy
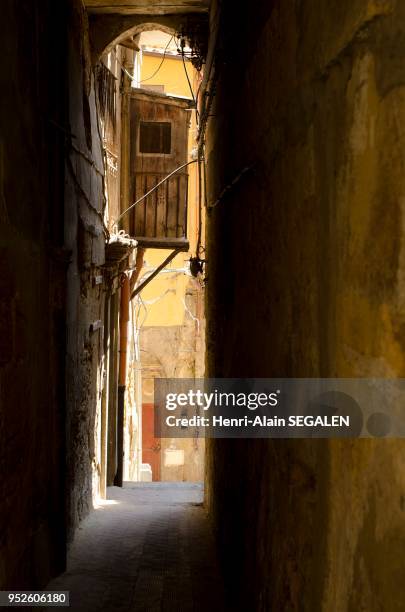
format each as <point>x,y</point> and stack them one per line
<point>315,288</point>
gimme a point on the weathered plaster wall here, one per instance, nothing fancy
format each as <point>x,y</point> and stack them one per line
<point>306,277</point>
<point>32,287</point>
<point>176,351</point>
<point>85,237</point>
<point>52,244</point>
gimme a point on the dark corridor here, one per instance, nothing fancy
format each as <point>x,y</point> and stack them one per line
<point>298,122</point>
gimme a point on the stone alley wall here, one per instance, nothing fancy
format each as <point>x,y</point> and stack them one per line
<point>52,245</point>
<point>33,263</point>
<point>306,278</point>
<point>85,237</point>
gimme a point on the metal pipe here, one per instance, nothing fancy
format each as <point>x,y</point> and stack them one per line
<point>122,375</point>
<point>124,318</point>
<point>140,253</point>
<point>119,476</point>
<point>113,389</point>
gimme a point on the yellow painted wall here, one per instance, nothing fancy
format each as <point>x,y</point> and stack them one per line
<point>171,74</point>
<point>171,288</point>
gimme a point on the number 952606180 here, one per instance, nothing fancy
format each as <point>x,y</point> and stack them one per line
<point>34,598</point>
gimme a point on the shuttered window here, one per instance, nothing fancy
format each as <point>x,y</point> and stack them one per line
<point>155,137</point>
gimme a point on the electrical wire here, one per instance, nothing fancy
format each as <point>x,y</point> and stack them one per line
<point>132,76</point>
<point>230,185</point>
<point>205,179</point>
<point>161,63</point>
<point>199,159</point>
<point>193,161</point>
<point>195,319</point>
<point>141,304</point>
<point>188,81</point>
<point>181,46</point>
<point>159,297</point>
<point>79,189</point>
<point>198,93</point>
<point>199,206</point>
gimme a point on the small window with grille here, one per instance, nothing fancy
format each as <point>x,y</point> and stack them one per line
<point>155,137</point>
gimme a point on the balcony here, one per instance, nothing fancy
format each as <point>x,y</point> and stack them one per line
<point>160,219</point>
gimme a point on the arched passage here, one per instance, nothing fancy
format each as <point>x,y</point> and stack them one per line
<point>305,191</point>
<point>107,30</point>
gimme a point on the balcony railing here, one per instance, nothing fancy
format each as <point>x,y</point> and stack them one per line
<point>160,219</point>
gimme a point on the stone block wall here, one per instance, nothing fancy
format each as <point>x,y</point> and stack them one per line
<point>33,265</point>
<point>51,244</point>
<point>306,279</point>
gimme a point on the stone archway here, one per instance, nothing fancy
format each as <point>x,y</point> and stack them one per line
<point>107,30</point>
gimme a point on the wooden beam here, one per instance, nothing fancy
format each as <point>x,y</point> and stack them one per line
<point>144,7</point>
<point>180,244</point>
<point>155,272</point>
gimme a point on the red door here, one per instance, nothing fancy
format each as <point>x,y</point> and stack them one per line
<point>150,444</point>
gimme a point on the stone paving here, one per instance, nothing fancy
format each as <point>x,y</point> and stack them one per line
<point>148,548</point>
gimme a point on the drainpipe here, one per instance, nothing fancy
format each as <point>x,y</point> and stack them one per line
<point>112,389</point>
<point>104,400</point>
<point>124,318</point>
<point>140,253</point>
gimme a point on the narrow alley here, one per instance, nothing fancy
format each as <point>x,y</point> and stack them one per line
<point>199,196</point>
<point>147,547</point>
